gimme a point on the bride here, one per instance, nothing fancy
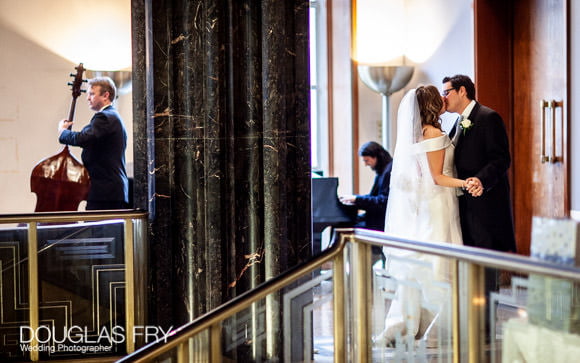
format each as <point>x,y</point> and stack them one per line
<point>422,206</point>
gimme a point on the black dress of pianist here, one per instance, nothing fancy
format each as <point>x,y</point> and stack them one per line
<point>373,204</point>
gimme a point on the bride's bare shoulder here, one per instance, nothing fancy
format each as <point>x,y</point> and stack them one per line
<point>430,131</point>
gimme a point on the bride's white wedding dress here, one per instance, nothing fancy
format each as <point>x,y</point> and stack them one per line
<point>418,209</point>
<point>438,208</point>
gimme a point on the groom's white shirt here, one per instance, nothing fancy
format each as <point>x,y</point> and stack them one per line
<point>468,109</point>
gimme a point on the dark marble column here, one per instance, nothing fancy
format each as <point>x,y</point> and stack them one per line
<point>222,147</point>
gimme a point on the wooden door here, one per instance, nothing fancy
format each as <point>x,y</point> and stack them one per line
<point>521,71</point>
<point>540,104</point>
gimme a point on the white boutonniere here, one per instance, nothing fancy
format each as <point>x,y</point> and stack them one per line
<point>465,124</point>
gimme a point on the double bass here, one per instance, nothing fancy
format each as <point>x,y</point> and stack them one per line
<point>61,182</point>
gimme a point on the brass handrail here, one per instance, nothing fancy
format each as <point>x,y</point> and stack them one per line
<point>60,217</point>
<point>476,256</point>
<point>479,256</point>
<point>239,303</point>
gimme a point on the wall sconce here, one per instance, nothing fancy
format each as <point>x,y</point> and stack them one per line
<point>385,80</point>
<point>380,49</point>
<point>122,79</point>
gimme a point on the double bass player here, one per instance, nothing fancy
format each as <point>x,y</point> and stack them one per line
<point>103,141</point>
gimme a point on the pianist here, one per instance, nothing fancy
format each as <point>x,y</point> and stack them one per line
<point>373,204</point>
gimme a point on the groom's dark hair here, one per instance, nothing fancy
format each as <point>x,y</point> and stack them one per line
<point>375,150</point>
<point>459,80</point>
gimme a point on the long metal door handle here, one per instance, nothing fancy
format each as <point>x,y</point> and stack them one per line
<point>554,157</point>
<point>543,157</point>
<point>552,154</point>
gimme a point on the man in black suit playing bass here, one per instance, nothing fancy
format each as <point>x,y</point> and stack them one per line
<point>104,141</point>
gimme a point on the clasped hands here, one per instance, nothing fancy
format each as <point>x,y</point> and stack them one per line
<point>473,186</point>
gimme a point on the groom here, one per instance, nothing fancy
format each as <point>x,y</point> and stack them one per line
<point>481,151</point>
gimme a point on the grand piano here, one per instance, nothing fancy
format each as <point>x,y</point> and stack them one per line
<point>327,210</point>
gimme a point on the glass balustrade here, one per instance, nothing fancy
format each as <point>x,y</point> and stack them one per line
<point>69,284</point>
<point>427,302</point>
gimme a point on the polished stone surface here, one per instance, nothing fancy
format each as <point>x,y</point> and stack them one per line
<point>222,147</point>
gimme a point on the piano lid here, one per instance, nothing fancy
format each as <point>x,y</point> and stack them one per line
<point>326,208</point>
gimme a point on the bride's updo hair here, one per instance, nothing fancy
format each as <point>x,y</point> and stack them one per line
<point>430,104</point>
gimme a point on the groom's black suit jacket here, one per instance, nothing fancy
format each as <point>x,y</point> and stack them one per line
<point>483,151</point>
